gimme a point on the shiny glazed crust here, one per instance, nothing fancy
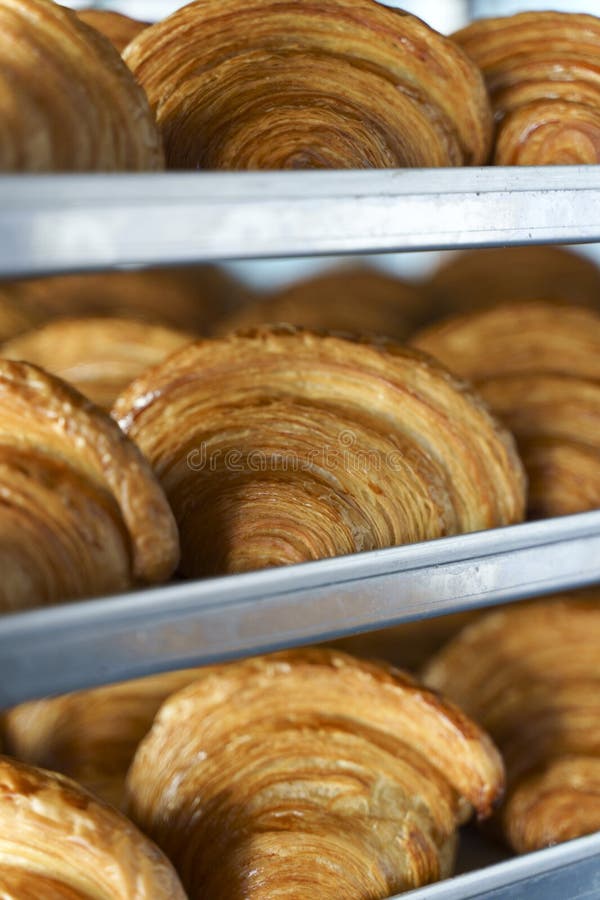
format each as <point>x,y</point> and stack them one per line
<point>541,69</point>
<point>58,843</point>
<point>119,29</point>
<point>82,513</point>
<point>310,769</point>
<point>99,357</point>
<point>280,446</point>
<point>275,84</point>
<point>85,114</point>
<point>529,676</point>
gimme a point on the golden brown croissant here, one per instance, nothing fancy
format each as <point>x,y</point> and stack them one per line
<point>59,843</point>
<point>119,29</point>
<point>82,513</point>
<point>541,69</point>
<point>354,299</point>
<point>99,357</point>
<point>67,100</point>
<point>17,315</point>
<point>529,675</point>
<point>92,736</point>
<point>310,774</point>
<point>279,446</point>
<point>339,84</point>
<point>190,298</point>
<point>481,279</point>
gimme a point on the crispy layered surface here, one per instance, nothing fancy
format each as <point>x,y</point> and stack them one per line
<point>280,446</point>
<point>86,112</point>
<point>99,357</point>
<point>310,773</point>
<point>275,84</point>
<point>118,28</point>
<point>529,675</point>
<point>58,842</point>
<point>80,510</point>
<point>541,69</point>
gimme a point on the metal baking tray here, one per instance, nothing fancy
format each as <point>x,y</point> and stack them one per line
<point>79,645</point>
<point>57,223</point>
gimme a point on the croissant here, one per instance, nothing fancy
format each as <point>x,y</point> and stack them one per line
<point>541,71</point>
<point>85,114</point>
<point>82,513</point>
<point>119,29</point>
<point>279,446</point>
<point>310,774</point>
<point>17,317</point>
<point>529,675</point>
<point>58,843</point>
<point>340,84</point>
<point>354,299</point>
<point>484,278</point>
<point>99,357</point>
<point>91,736</point>
<point>191,298</point>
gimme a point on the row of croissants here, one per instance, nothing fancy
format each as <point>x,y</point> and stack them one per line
<point>307,773</point>
<point>268,84</point>
<point>132,452</point>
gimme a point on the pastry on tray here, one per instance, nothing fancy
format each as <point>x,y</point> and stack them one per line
<point>99,357</point>
<point>281,446</point>
<point>119,29</point>
<point>541,69</point>
<point>82,512</point>
<point>310,774</point>
<point>57,842</point>
<point>68,103</point>
<point>357,299</point>
<point>529,675</point>
<point>339,84</point>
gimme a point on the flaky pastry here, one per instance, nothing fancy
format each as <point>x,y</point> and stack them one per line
<point>119,29</point>
<point>81,511</point>
<point>310,774</point>
<point>67,100</point>
<point>529,675</point>
<point>270,84</point>
<point>279,446</point>
<point>57,842</point>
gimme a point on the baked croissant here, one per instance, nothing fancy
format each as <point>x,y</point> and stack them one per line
<point>484,278</point>
<point>279,446</point>
<point>354,299</point>
<point>17,317</point>
<point>541,71</point>
<point>67,100</point>
<point>310,774</point>
<point>191,298</point>
<point>82,513</point>
<point>538,368</point>
<point>339,84</point>
<point>91,736</point>
<point>529,675</point>
<point>99,357</point>
<point>58,843</point>
<point>119,29</point>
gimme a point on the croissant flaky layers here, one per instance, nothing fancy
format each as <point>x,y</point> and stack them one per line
<point>59,843</point>
<point>542,73</point>
<point>270,84</point>
<point>280,446</point>
<point>67,100</point>
<point>310,774</point>
<point>80,511</point>
<point>529,675</point>
<point>119,29</point>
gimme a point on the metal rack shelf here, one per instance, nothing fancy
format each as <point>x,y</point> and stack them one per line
<point>83,644</point>
<point>79,222</point>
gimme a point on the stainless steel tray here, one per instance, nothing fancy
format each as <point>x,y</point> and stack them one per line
<point>55,223</point>
<point>82,644</point>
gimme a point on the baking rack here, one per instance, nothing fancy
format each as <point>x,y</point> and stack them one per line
<point>76,223</point>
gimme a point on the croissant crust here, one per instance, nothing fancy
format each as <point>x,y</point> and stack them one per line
<point>119,29</point>
<point>273,84</point>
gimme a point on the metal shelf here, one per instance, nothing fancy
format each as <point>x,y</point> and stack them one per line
<point>78,222</point>
<point>78,645</point>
